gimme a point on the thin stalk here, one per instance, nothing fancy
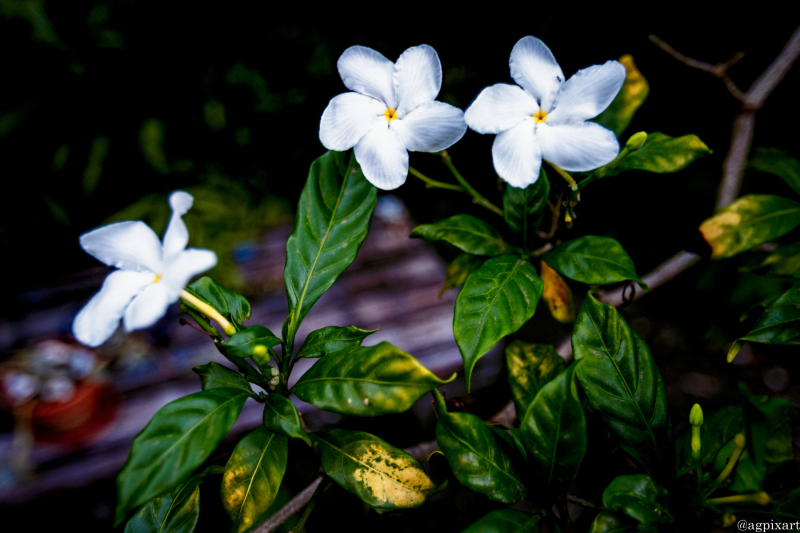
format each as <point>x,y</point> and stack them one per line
<point>477,197</point>
<point>209,311</point>
<point>602,171</point>
<point>310,507</point>
<point>738,448</point>
<point>564,174</point>
<point>201,321</point>
<point>433,184</point>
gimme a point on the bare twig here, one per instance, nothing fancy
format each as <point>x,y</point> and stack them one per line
<point>294,505</point>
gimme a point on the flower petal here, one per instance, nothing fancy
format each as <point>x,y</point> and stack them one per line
<point>577,147</point>
<point>534,67</point>
<point>366,71</point>
<point>587,93</point>
<point>431,127</point>
<point>417,78</point>
<point>184,267</point>
<point>383,156</point>
<point>125,245</point>
<point>347,119</point>
<point>499,107</point>
<point>148,307</point>
<point>516,155</point>
<point>177,236</point>
<point>99,318</point>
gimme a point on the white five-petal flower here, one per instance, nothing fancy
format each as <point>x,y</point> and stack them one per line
<point>391,110</point>
<point>150,275</point>
<point>544,117</point>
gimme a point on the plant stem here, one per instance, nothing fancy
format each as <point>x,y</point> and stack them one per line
<point>433,184</point>
<point>477,197</point>
<point>310,507</point>
<point>564,174</point>
<point>207,310</point>
<point>201,321</point>
<point>738,448</point>
<point>601,172</point>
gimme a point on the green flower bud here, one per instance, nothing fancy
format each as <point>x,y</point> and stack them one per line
<point>274,372</point>
<point>636,141</point>
<point>696,415</point>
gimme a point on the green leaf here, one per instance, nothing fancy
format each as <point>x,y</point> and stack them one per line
<point>523,209</point>
<point>496,300</point>
<point>623,384</point>
<point>332,339</point>
<point>459,270</point>
<point>475,456</point>
<point>179,437</point>
<point>366,381</point>
<point>333,218</point>
<point>512,437</point>
<point>769,434</point>
<point>243,342</point>
<point>281,416</point>
<point>554,432</point>
<point>717,430</point>
<point>215,376</point>
<point>784,261</point>
<point>252,476</point>
<point>773,161</point>
<point>630,97</point>
<point>748,222</point>
<point>378,473</point>
<point>231,305</point>
<point>663,154</point>
<point>505,521</point>
<point>779,324</point>
<point>639,497</point>
<point>530,367</point>
<point>175,512</point>
<point>593,260</point>
<point>606,522</point>
<point>467,233</point>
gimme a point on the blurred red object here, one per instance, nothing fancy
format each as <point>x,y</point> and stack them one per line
<point>76,420</point>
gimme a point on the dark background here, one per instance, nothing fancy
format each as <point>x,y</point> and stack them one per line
<point>108,105</point>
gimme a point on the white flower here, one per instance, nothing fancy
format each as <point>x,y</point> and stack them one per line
<point>544,117</point>
<point>151,274</point>
<point>391,110</point>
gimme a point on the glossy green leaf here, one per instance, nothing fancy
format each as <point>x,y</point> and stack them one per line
<point>779,324</point>
<point>252,476</point>
<point>459,270</point>
<point>630,97</point>
<point>467,233</point>
<point>378,473</point>
<point>175,512</point>
<point>496,300</point>
<point>281,416</point>
<point>606,522</point>
<point>475,456</point>
<point>333,218</point>
<point>513,439</point>
<point>593,260</point>
<point>663,154</point>
<point>554,432</point>
<point>179,437</point>
<point>505,521</point>
<point>231,305</point>
<point>215,376</point>
<point>530,367</point>
<point>332,339</point>
<point>366,381</point>
<point>523,209</point>
<point>717,430</point>
<point>784,261</point>
<point>748,222</point>
<point>639,497</point>
<point>773,161</point>
<point>243,342</point>
<point>623,384</point>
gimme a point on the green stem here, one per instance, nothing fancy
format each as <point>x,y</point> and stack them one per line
<point>433,184</point>
<point>738,448</point>
<point>564,174</point>
<point>207,310</point>
<point>200,321</point>
<point>602,171</point>
<point>477,197</point>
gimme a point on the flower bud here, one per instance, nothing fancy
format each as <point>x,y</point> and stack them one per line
<point>696,415</point>
<point>761,498</point>
<point>728,519</point>
<point>274,381</point>
<point>260,349</point>
<point>636,141</point>
<point>274,372</point>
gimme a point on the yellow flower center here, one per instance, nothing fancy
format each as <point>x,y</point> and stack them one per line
<point>390,114</point>
<point>158,278</point>
<point>540,116</point>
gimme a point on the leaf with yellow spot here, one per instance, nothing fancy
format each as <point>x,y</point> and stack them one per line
<point>748,222</point>
<point>366,381</point>
<point>381,475</point>
<point>557,295</point>
<point>663,154</point>
<point>530,367</point>
<point>630,97</point>
<point>252,476</point>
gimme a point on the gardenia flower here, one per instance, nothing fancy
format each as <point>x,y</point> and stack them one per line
<point>151,274</point>
<point>391,110</point>
<point>544,117</point>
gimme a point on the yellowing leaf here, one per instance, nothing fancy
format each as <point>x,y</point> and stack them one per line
<point>557,295</point>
